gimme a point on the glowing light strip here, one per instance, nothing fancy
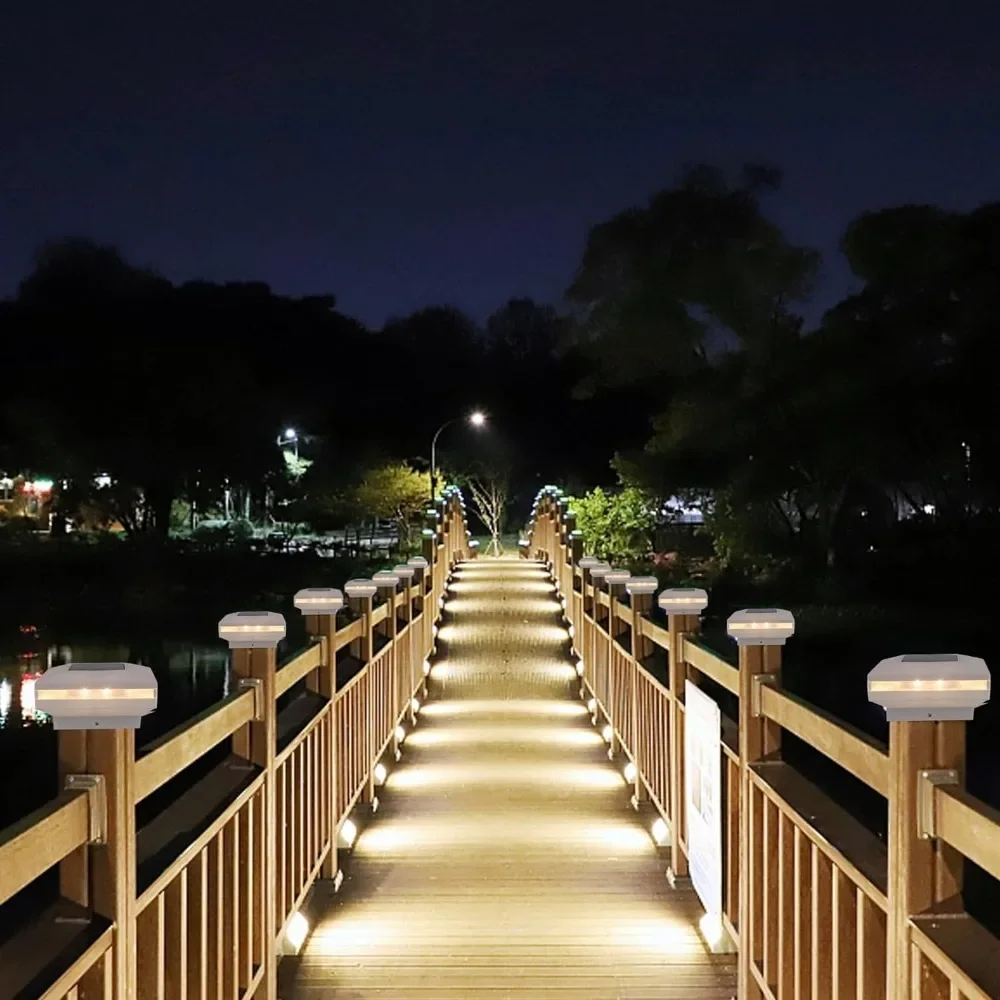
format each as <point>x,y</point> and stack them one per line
<point>939,684</point>
<point>83,694</point>
<point>749,626</point>
<point>236,629</point>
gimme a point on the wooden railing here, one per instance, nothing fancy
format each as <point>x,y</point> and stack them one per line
<point>816,905</point>
<point>202,901</point>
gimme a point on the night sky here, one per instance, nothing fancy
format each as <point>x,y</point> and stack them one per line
<point>457,152</point>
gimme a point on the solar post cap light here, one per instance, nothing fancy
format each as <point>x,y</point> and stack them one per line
<point>418,562</point>
<point>641,585</point>
<point>360,588</point>
<point>929,687</point>
<point>589,562</point>
<point>385,578</point>
<point>761,626</point>
<point>319,601</point>
<point>683,600</point>
<point>252,629</point>
<point>616,577</point>
<point>404,572</point>
<point>96,695</point>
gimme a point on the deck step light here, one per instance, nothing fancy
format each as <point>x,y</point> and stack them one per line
<point>356,589</point>
<point>427,667</point>
<point>608,733</point>
<point>660,832</point>
<point>319,601</point>
<point>683,601</point>
<point>96,695</point>
<point>630,772</point>
<point>592,706</point>
<point>296,933</point>
<point>580,667</point>
<point>380,773</point>
<point>348,833</point>
<point>252,629</point>
<point>934,687</point>
<point>400,734</point>
<point>761,626</point>
<point>642,585</point>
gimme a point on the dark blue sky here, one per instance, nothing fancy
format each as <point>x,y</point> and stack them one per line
<point>427,152</point>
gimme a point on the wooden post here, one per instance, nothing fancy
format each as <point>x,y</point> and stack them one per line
<point>678,626</point>
<point>923,874</point>
<point>575,602</point>
<point>641,601</point>
<point>259,665</point>
<point>615,590</point>
<point>759,738</point>
<point>111,753</point>
<point>360,600</point>
<point>323,680</point>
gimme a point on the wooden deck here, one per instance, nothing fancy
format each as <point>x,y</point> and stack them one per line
<point>504,859</point>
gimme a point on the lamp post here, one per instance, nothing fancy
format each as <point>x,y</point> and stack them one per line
<point>477,418</point>
<point>292,438</point>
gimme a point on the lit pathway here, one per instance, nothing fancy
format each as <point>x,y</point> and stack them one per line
<point>505,860</point>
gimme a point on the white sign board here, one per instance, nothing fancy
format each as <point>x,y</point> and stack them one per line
<point>703,795</point>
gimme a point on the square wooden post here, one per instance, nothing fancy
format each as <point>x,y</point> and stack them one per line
<point>924,874</point>
<point>640,591</point>
<point>259,740</point>
<point>678,627</point>
<point>759,739</point>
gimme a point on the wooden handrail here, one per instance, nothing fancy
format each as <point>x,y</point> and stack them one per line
<point>42,839</point>
<point>969,825</point>
<point>853,751</point>
<point>348,634</point>
<point>294,670</point>
<point>711,665</point>
<point>183,745</point>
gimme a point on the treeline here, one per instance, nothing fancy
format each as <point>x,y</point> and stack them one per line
<point>680,350</point>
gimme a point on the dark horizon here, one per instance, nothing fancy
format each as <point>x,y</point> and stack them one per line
<point>399,159</point>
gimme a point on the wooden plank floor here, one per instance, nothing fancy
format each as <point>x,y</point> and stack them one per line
<point>504,860</point>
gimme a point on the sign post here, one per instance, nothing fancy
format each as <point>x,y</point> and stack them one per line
<point>703,796</point>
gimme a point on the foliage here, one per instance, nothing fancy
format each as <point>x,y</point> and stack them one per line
<point>393,491</point>
<point>616,526</point>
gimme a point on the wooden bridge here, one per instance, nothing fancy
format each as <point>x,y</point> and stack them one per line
<point>472,788</point>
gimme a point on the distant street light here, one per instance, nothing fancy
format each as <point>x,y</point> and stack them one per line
<point>477,419</point>
<point>290,437</point>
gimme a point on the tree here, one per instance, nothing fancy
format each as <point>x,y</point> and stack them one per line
<point>616,526</point>
<point>489,496</point>
<point>393,491</point>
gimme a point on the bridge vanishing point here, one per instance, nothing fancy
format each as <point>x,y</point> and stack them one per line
<point>473,787</point>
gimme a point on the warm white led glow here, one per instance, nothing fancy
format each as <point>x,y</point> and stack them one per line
<point>400,734</point>
<point>630,772</point>
<point>660,831</point>
<point>511,708</point>
<point>938,686</point>
<point>45,695</point>
<point>414,705</point>
<point>427,667</point>
<point>380,773</point>
<point>348,833</point>
<point>683,600</point>
<point>296,931</point>
<point>247,629</point>
<point>434,631</point>
<point>319,601</point>
<point>608,733</point>
<point>592,706</point>
<point>711,929</point>
<point>580,667</point>
<point>761,626</point>
<point>571,631</point>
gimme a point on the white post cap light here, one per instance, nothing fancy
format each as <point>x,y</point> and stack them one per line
<point>385,578</point>
<point>428,533</point>
<point>937,687</point>
<point>616,577</point>
<point>96,695</point>
<point>356,589</point>
<point>641,585</point>
<point>683,600</point>
<point>761,626</point>
<point>418,562</point>
<point>589,562</point>
<point>523,543</point>
<point>319,601</point>
<point>473,544</point>
<point>404,572</point>
<point>600,571</point>
<point>252,629</point>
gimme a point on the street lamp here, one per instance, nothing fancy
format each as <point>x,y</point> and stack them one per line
<point>290,437</point>
<point>477,419</point>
